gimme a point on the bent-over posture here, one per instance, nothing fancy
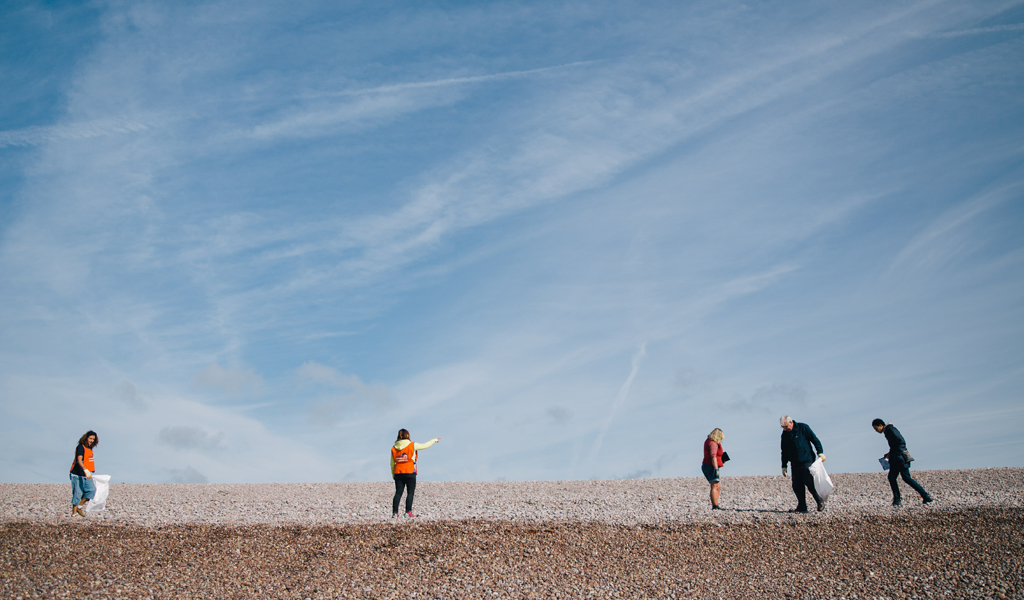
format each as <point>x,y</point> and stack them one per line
<point>796,448</point>
<point>899,465</point>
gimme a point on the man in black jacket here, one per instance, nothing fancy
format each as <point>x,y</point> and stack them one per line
<point>899,463</point>
<point>796,448</point>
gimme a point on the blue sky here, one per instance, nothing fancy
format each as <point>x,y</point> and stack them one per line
<point>247,242</point>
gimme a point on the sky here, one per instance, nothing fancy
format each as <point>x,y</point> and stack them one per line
<point>249,241</point>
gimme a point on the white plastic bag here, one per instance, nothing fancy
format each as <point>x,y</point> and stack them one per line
<point>822,482</point>
<point>99,501</point>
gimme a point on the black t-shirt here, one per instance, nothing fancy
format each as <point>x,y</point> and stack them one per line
<point>76,469</point>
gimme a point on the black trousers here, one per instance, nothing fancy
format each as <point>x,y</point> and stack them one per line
<point>802,480</point>
<point>402,481</point>
<point>899,468</point>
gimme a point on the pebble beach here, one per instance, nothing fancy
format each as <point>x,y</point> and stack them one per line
<point>638,538</point>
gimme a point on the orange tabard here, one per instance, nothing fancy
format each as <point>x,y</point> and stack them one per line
<point>87,460</point>
<point>405,459</point>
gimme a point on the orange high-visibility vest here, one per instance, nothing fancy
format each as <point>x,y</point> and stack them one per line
<point>405,459</point>
<point>87,460</point>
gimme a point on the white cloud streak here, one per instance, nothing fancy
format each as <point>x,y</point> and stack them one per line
<point>943,239</point>
<point>620,399</point>
<point>37,135</point>
<point>979,31</point>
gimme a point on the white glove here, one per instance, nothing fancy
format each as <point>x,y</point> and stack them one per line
<point>822,457</point>
<point>88,473</point>
<point>784,471</point>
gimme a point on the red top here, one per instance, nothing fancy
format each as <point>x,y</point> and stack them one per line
<point>712,449</point>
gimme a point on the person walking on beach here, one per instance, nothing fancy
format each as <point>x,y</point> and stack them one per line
<point>403,469</point>
<point>899,461</point>
<point>712,462</point>
<point>796,448</point>
<point>82,468</point>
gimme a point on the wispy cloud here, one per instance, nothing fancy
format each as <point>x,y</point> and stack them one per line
<point>378,103</point>
<point>943,239</point>
<point>979,30</point>
<point>375,394</point>
<point>767,398</point>
<point>130,395</point>
<point>233,380</point>
<point>188,437</point>
<point>620,399</point>
<point>397,87</point>
<point>36,135</point>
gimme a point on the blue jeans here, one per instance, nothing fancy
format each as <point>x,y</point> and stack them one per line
<point>81,488</point>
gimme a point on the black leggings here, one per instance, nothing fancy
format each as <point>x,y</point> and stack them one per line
<point>403,480</point>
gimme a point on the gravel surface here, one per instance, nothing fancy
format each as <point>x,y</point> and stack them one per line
<point>620,501</point>
<point>650,538</point>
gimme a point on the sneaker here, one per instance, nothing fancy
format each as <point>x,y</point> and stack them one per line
<point>800,510</point>
<point>896,503</point>
<point>409,514</point>
<point>716,507</point>
<point>78,509</point>
<point>928,499</point>
<point>394,516</point>
<point>821,505</point>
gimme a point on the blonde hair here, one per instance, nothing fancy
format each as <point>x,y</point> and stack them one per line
<point>785,419</point>
<point>716,435</point>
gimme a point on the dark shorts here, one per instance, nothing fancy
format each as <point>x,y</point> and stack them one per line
<point>709,473</point>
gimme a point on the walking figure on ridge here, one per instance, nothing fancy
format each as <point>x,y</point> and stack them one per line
<point>899,461</point>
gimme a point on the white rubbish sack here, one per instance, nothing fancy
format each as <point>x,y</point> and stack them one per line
<point>99,501</point>
<point>822,482</point>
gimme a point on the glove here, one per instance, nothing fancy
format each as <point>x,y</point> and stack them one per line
<point>88,473</point>
<point>822,457</point>
<point>784,471</point>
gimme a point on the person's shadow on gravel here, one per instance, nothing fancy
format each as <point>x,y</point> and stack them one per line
<point>756,510</point>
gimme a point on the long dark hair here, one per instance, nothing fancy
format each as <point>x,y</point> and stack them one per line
<point>84,440</point>
<point>403,434</point>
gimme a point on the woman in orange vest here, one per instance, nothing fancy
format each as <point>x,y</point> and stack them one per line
<point>403,469</point>
<point>82,468</point>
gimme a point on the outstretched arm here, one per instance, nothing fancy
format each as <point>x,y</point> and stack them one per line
<point>427,445</point>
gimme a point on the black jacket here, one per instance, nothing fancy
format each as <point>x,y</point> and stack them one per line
<point>796,445</point>
<point>897,445</point>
